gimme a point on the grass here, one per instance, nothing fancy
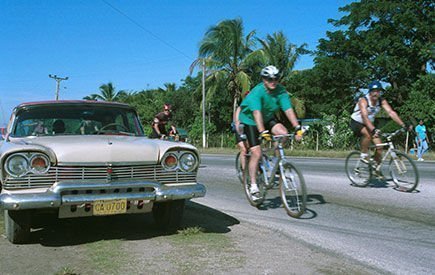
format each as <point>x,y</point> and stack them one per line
<point>106,255</point>
<point>304,153</point>
<point>194,248</point>
<point>66,271</point>
<point>2,222</point>
<point>191,231</point>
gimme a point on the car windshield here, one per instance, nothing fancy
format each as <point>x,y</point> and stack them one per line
<point>76,120</point>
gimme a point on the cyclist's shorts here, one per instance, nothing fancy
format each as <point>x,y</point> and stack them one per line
<point>356,127</point>
<point>253,135</point>
<point>238,138</point>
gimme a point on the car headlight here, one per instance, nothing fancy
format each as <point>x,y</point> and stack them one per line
<point>188,162</point>
<point>17,165</point>
<point>170,161</point>
<point>39,164</point>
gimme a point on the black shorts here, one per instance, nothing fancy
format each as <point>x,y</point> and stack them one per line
<point>238,138</point>
<point>253,135</point>
<point>356,127</point>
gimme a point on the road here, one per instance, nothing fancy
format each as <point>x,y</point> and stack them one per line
<point>377,226</point>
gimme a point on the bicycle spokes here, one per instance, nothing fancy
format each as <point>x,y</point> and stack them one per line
<point>357,171</point>
<point>292,190</point>
<point>404,172</point>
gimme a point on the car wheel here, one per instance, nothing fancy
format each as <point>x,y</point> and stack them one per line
<point>17,226</point>
<point>168,215</point>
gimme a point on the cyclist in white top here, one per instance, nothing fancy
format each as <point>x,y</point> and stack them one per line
<point>363,117</point>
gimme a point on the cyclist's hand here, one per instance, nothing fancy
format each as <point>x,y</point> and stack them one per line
<point>376,133</point>
<point>299,132</point>
<point>266,135</point>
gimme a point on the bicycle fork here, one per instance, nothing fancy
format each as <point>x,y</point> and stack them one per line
<point>401,168</point>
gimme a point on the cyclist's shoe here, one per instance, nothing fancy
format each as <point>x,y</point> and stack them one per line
<point>254,188</point>
<point>255,192</point>
<point>364,160</point>
<point>377,172</point>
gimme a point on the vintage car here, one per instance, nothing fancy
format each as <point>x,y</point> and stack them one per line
<point>89,158</point>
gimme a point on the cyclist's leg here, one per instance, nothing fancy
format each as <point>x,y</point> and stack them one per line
<point>252,135</point>
<point>253,164</point>
<point>366,139</point>
<point>279,129</point>
<point>276,128</point>
<point>361,131</point>
<point>378,152</point>
<point>243,150</point>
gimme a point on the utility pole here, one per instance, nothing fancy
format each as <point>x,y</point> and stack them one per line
<point>204,144</point>
<point>58,80</point>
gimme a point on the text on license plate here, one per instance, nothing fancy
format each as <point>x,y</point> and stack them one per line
<point>110,207</point>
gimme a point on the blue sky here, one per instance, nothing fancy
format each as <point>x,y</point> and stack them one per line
<point>136,44</point>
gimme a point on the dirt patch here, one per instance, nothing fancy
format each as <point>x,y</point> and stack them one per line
<point>132,245</point>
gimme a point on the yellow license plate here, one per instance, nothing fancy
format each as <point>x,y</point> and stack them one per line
<point>110,207</point>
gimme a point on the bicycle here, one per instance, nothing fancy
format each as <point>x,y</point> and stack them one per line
<point>401,168</point>
<point>291,183</point>
<point>239,168</point>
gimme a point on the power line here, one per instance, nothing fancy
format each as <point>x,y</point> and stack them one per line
<point>146,30</point>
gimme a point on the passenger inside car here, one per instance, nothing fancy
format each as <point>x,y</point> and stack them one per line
<point>58,127</point>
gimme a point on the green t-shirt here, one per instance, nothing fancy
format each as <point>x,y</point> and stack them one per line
<point>267,103</point>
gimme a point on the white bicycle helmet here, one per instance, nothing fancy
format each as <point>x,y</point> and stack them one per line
<point>270,71</point>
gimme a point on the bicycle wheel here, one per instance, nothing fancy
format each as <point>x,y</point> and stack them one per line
<point>357,171</point>
<point>292,190</point>
<point>404,172</point>
<point>239,169</point>
<point>253,200</point>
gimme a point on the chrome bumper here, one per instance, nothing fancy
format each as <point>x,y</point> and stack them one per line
<point>73,193</point>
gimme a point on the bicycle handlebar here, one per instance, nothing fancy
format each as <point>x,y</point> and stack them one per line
<point>391,135</point>
<point>279,137</point>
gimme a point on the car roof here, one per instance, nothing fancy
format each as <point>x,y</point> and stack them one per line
<point>73,102</point>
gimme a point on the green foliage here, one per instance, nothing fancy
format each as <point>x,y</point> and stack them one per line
<point>107,93</point>
<point>278,51</point>
<point>195,131</point>
<point>224,49</point>
<point>334,131</point>
<point>377,39</point>
<point>421,102</point>
<point>388,40</point>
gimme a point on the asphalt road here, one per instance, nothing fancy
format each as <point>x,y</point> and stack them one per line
<point>377,226</point>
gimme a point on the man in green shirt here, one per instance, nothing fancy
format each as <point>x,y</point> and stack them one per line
<point>258,115</point>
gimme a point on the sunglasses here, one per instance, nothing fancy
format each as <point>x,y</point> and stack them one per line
<point>271,79</point>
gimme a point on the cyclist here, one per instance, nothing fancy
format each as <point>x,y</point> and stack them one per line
<point>160,121</point>
<point>257,114</point>
<point>239,131</point>
<point>363,117</point>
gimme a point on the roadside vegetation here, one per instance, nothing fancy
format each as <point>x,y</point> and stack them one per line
<point>391,41</point>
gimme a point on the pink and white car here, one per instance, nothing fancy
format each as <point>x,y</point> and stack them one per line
<point>90,158</point>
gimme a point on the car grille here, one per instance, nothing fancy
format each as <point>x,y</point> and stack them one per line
<point>100,173</point>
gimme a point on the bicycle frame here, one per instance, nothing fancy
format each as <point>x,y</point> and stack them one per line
<point>269,172</point>
<point>391,149</point>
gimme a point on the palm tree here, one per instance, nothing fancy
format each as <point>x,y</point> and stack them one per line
<point>169,87</point>
<point>278,51</point>
<point>107,93</point>
<point>224,50</point>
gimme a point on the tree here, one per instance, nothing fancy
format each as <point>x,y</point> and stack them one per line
<point>107,93</point>
<point>278,51</point>
<point>391,40</point>
<point>421,102</point>
<point>224,49</point>
<point>169,87</point>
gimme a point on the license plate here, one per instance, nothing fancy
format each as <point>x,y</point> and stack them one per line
<point>110,207</point>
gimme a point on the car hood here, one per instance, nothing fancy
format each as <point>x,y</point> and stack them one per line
<point>101,149</point>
